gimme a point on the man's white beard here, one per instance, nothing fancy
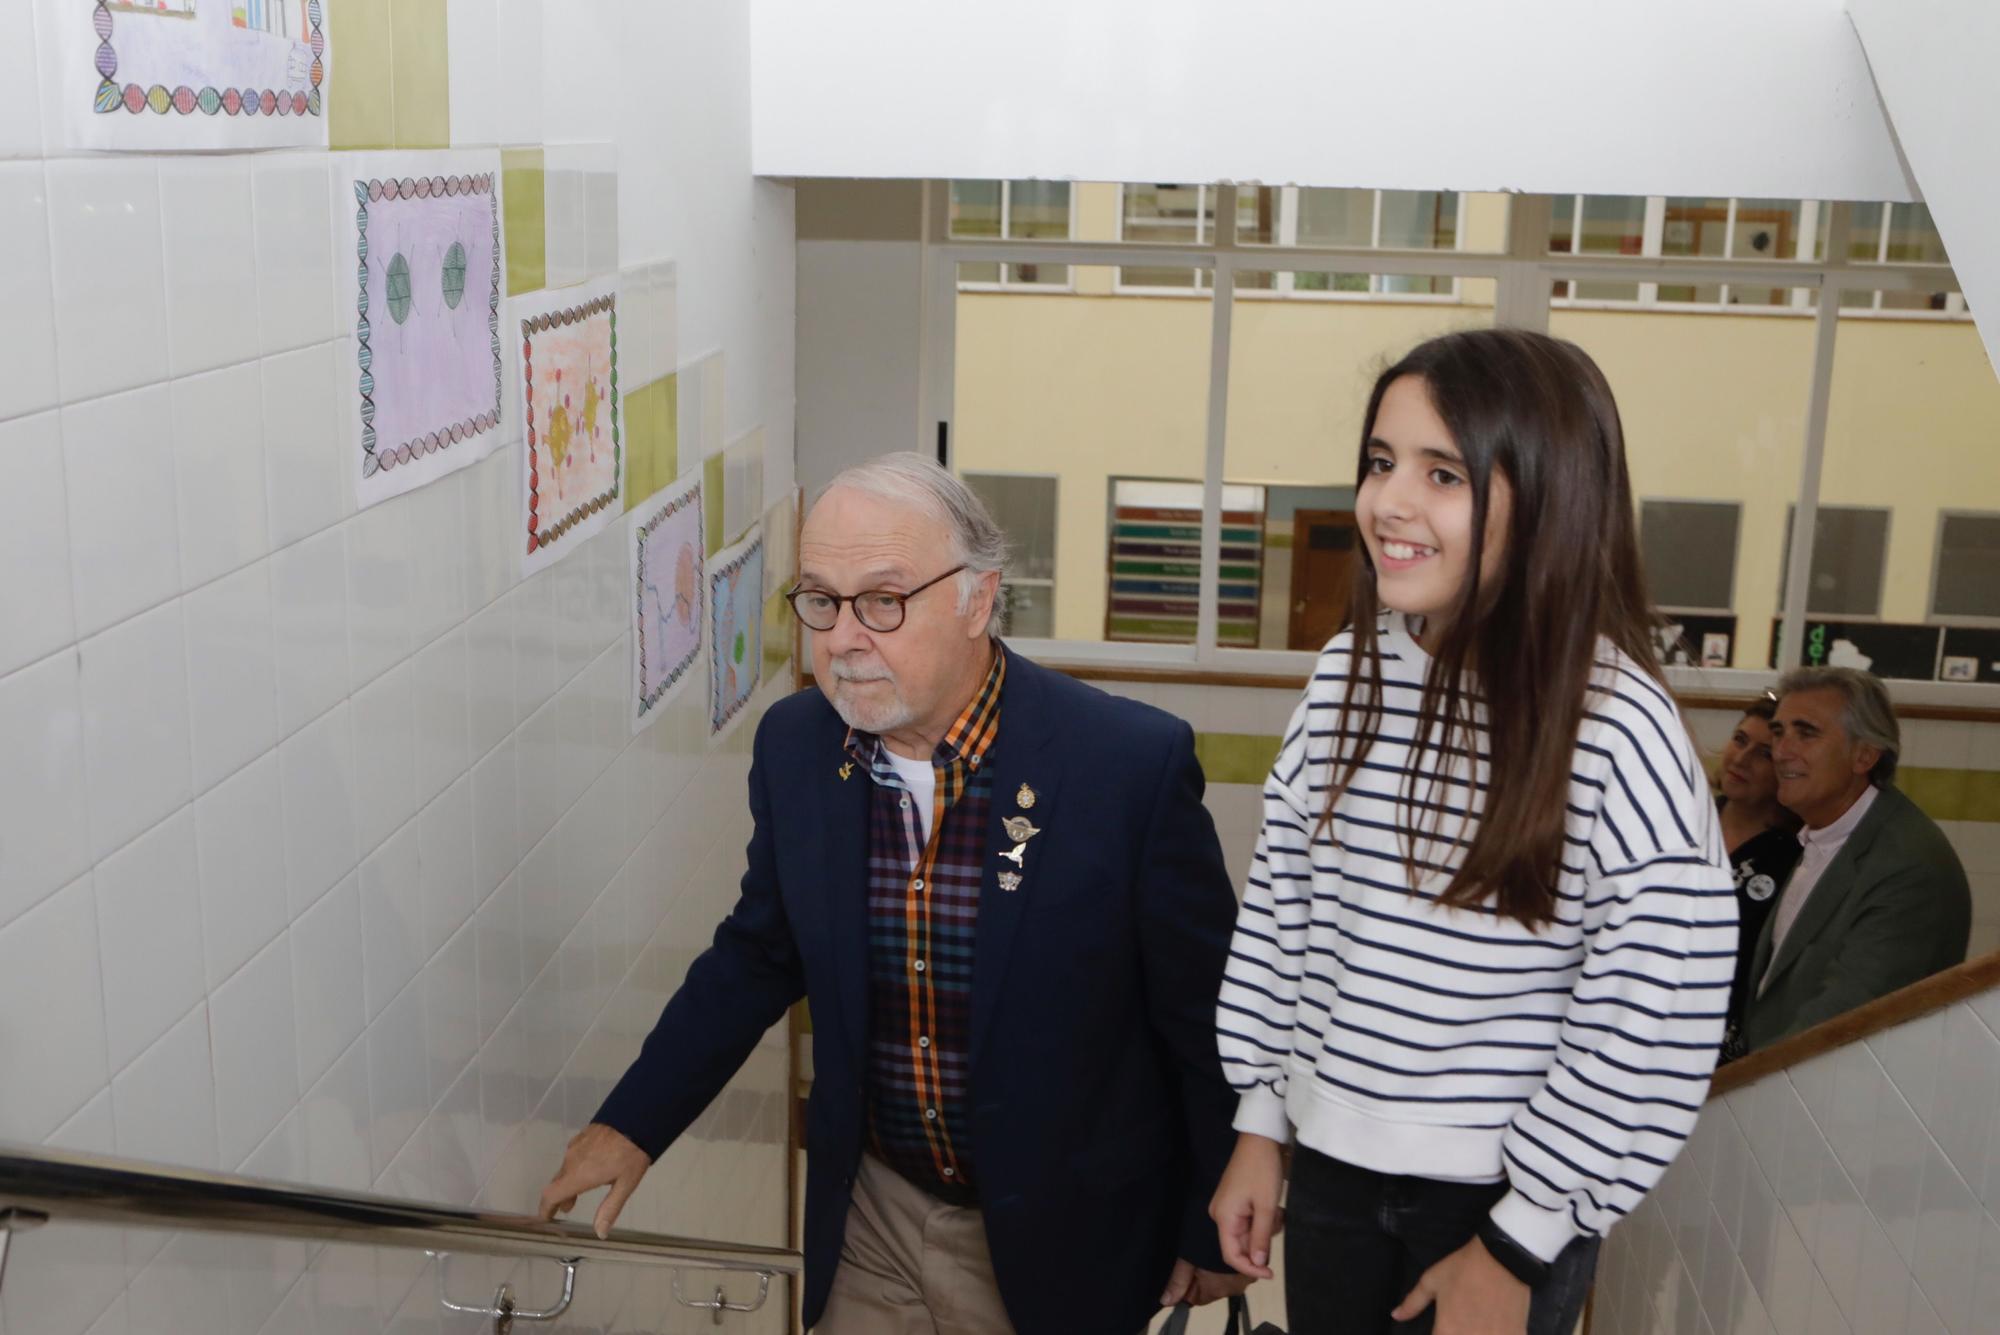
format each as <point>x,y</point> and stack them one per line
<point>878,716</point>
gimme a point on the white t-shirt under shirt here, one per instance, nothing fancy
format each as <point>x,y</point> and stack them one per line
<point>921,780</point>
<point>1400,1036</point>
<point>1821,848</point>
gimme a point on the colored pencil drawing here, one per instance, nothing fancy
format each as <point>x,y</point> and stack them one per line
<point>736,628</point>
<point>667,578</point>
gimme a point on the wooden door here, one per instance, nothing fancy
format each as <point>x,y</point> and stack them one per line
<point>1325,546</point>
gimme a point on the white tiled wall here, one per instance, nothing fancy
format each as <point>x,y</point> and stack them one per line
<point>1856,1193</point>
<point>325,853</point>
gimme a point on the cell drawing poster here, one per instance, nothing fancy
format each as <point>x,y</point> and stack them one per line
<point>736,628</point>
<point>194,74</point>
<point>667,579</point>
<point>573,469</point>
<point>423,376</point>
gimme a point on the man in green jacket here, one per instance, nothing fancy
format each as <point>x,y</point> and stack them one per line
<point>1878,899</point>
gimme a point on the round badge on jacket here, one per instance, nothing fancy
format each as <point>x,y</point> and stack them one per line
<point>1760,888</point>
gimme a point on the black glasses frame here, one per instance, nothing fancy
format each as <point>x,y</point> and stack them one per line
<point>902,611</point>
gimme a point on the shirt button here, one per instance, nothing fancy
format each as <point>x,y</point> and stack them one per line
<point>924,1041</point>
<point>905,804</point>
<point>920,966</point>
<point>917,884</point>
<point>974,762</point>
<point>930,1114</point>
<point>951,1172</point>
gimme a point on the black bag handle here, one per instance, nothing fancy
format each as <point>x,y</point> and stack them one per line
<point>1239,1318</point>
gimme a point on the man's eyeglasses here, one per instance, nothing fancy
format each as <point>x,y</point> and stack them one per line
<point>880,610</point>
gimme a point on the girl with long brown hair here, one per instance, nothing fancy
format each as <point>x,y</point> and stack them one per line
<point>1479,975</point>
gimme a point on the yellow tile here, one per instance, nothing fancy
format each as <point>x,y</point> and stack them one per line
<point>670,404</point>
<point>711,501</point>
<point>649,465</point>
<point>523,188</point>
<point>421,74</point>
<point>361,102</point>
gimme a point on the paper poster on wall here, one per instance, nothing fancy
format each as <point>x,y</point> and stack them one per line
<point>573,469</point>
<point>187,74</point>
<point>422,263</point>
<point>667,578</point>
<point>736,628</point>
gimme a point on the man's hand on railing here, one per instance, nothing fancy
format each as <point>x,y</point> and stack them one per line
<point>597,1156</point>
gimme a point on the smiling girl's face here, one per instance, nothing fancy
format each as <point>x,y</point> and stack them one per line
<point>1414,509</point>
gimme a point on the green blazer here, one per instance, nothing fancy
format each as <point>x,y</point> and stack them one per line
<point>1892,908</point>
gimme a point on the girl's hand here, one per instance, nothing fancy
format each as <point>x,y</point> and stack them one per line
<point>1475,1294</point>
<point>1245,1207</point>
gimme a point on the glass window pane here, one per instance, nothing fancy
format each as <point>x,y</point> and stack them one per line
<point>984,272</point>
<point>1177,214</point>
<point>975,209</point>
<point>1612,225</point>
<point>1038,210</point>
<point>1864,235</point>
<point>1336,217</point>
<point>1694,227</point>
<point>1154,582</point>
<point>1067,386</point>
<point>1299,377</point>
<point>1909,446</point>
<point>1737,443</point>
<point>1913,237</point>
<point>1850,545</point>
<point>1031,611</point>
<point>1039,275</point>
<point>1562,225</point>
<point>1419,219</point>
<point>1690,553</point>
<point>1257,209</point>
<point>1025,509</point>
<point>1968,570</point>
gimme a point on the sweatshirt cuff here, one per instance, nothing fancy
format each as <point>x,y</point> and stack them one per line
<point>1261,1112</point>
<point>1544,1233</point>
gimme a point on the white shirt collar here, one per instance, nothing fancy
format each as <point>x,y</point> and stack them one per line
<point>1834,835</point>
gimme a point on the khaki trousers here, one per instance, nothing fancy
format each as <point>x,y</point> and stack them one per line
<point>911,1265</point>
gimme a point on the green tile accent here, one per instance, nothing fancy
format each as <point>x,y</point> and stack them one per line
<point>674,463</point>
<point>1236,757</point>
<point>777,634</point>
<point>650,423</point>
<point>1953,794</point>
<point>421,74</point>
<point>361,100</point>
<point>711,502</point>
<point>523,195</point>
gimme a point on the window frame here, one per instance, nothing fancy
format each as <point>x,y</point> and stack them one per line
<point>1931,614</point>
<point>1524,273</point>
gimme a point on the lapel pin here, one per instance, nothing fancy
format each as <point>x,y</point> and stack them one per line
<point>1013,854</point>
<point>1019,828</point>
<point>847,769</point>
<point>1010,881</point>
<point>1025,799</point>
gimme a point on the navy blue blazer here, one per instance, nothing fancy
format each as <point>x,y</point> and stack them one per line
<point>1100,1116</point>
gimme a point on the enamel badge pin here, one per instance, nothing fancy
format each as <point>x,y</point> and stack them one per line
<point>846,769</point>
<point>1010,881</point>
<point>1025,798</point>
<point>1019,828</point>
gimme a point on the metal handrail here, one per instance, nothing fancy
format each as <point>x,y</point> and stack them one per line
<point>39,1185</point>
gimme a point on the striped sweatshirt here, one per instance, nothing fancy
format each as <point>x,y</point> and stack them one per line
<point>1390,1032</point>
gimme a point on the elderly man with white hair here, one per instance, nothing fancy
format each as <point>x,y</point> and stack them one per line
<point>1007,904</point>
